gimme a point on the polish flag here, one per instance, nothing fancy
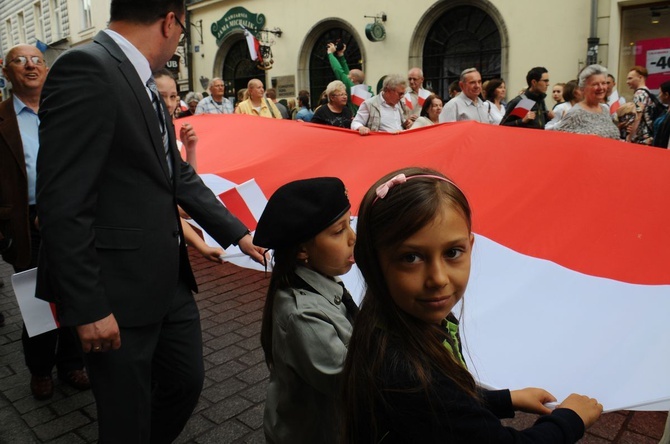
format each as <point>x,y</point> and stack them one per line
<point>359,94</point>
<point>570,262</point>
<point>523,107</point>
<point>613,102</point>
<point>253,44</point>
<point>408,101</point>
<point>421,98</point>
<point>423,95</point>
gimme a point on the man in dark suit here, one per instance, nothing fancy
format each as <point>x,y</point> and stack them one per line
<point>114,258</point>
<point>19,237</point>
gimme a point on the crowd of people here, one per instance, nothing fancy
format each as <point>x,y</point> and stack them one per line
<point>103,219</point>
<point>589,104</point>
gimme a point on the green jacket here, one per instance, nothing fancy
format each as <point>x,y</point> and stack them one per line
<point>341,71</point>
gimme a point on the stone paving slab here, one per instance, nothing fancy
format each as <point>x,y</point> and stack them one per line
<point>230,409</point>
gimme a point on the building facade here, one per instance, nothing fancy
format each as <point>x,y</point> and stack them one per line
<point>501,38</point>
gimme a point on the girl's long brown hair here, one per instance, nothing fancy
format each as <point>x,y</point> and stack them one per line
<point>384,223</point>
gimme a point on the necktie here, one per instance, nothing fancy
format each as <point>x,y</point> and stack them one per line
<point>352,308</point>
<point>158,107</point>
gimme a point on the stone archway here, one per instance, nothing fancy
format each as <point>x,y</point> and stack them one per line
<point>233,65</point>
<point>314,71</point>
<point>458,34</point>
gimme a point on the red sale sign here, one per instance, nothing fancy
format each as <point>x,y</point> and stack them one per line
<point>654,54</point>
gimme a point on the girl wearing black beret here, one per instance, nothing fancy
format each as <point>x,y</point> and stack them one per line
<point>308,314</point>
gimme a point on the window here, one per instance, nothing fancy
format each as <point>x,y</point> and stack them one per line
<point>320,71</point>
<point>22,27</point>
<point>645,41</point>
<point>463,37</point>
<point>10,33</point>
<point>39,21</point>
<point>86,20</point>
<point>238,69</point>
<point>56,20</point>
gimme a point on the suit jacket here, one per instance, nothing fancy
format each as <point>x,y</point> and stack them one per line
<point>14,222</point>
<point>112,240</point>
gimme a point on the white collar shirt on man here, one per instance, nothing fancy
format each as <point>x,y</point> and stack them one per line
<point>138,60</point>
<point>391,117</point>
<point>462,107</point>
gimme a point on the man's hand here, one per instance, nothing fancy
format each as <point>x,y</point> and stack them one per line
<point>529,116</point>
<point>251,250</point>
<point>100,336</point>
<point>364,130</point>
<point>331,48</point>
<point>341,53</point>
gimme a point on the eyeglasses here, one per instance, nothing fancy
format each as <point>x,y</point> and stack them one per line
<point>23,60</point>
<point>184,33</point>
<point>339,95</point>
<point>416,79</point>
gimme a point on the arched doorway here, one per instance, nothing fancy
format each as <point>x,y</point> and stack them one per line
<point>320,71</point>
<point>238,68</point>
<point>463,36</point>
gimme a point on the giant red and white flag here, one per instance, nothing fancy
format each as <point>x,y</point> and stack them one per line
<point>570,285</point>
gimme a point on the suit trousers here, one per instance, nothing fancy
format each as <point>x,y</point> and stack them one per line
<point>147,389</point>
<point>58,347</point>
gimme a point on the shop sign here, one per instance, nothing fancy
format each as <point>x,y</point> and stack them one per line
<point>172,65</point>
<point>235,19</point>
<point>654,54</point>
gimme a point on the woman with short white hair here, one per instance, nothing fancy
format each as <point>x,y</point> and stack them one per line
<point>335,112</point>
<point>591,115</point>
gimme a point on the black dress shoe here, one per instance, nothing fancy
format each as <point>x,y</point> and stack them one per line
<point>76,378</point>
<point>42,387</point>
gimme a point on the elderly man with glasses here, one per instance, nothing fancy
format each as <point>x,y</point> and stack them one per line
<point>19,236</point>
<point>384,112</point>
<point>467,105</point>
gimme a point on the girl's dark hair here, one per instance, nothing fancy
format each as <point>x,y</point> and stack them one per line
<point>283,274</point>
<point>428,103</point>
<point>569,90</point>
<point>491,87</point>
<point>386,223</point>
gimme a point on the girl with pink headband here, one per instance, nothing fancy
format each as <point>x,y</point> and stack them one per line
<point>405,377</point>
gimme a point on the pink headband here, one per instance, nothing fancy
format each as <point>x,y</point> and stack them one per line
<point>383,189</point>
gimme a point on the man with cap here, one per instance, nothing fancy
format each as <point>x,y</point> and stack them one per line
<point>308,314</point>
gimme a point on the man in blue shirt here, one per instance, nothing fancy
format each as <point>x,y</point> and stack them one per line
<point>19,235</point>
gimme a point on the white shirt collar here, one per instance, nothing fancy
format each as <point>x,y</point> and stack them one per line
<point>138,60</point>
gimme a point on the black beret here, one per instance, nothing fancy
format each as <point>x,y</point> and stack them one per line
<point>300,210</point>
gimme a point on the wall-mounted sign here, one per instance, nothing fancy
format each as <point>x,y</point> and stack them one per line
<point>172,65</point>
<point>233,20</point>
<point>375,32</point>
<point>285,86</point>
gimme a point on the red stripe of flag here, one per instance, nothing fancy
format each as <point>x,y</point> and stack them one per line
<point>235,203</point>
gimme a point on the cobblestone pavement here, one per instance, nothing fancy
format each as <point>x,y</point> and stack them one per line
<point>231,405</point>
